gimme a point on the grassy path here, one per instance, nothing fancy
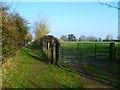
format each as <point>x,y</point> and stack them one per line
<point>28,69</point>
<point>88,80</point>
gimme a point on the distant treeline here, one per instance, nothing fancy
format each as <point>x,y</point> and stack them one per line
<point>72,37</point>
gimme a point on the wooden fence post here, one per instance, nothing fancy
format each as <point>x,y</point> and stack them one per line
<point>52,55</point>
<point>50,47</point>
<point>55,53</point>
<point>112,52</point>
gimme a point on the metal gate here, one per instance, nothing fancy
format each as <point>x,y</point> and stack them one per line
<point>76,52</point>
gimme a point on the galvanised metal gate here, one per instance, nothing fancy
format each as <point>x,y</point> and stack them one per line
<point>75,52</point>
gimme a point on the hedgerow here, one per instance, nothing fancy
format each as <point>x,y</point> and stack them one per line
<point>14,31</point>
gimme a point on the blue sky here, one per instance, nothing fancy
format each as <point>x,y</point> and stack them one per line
<point>78,18</point>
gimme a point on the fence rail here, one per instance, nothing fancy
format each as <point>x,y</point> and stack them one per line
<point>103,51</point>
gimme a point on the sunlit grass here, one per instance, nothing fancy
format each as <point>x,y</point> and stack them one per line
<point>100,69</point>
<point>28,69</point>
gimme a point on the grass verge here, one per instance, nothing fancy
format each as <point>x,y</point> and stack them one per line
<point>29,69</point>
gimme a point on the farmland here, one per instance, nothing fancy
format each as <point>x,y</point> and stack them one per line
<point>91,59</point>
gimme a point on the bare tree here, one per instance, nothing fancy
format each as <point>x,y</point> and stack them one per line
<point>109,37</point>
<point>64,37</point>
<point>91,38</point>
<point>82,38</point>
<point>41,27</point>
<point>110,5</point>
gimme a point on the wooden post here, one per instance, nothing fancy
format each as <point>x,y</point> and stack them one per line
<point>48,45</point>
<point>54,54</point>
<point>112,52</point>
<point>57,53</point>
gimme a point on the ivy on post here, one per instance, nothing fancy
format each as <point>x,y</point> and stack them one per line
<point>52,55</point>
<point>56,52</point>
<point>112,52</point>
<point>50,47</point>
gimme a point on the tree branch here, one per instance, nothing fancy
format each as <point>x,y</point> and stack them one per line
<point>109,5</point>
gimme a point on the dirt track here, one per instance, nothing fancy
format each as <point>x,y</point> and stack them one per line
<point>86,78</point>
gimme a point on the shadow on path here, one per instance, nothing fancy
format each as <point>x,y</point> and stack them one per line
<point>38,53</point>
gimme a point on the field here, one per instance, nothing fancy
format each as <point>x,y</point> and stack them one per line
<point>91,59</point>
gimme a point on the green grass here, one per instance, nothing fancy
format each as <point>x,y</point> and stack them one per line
<point>100,74</point>
<point>101,50</point>
<point>28,69</point>
<point>87,47</point>
<point>100,67</point>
